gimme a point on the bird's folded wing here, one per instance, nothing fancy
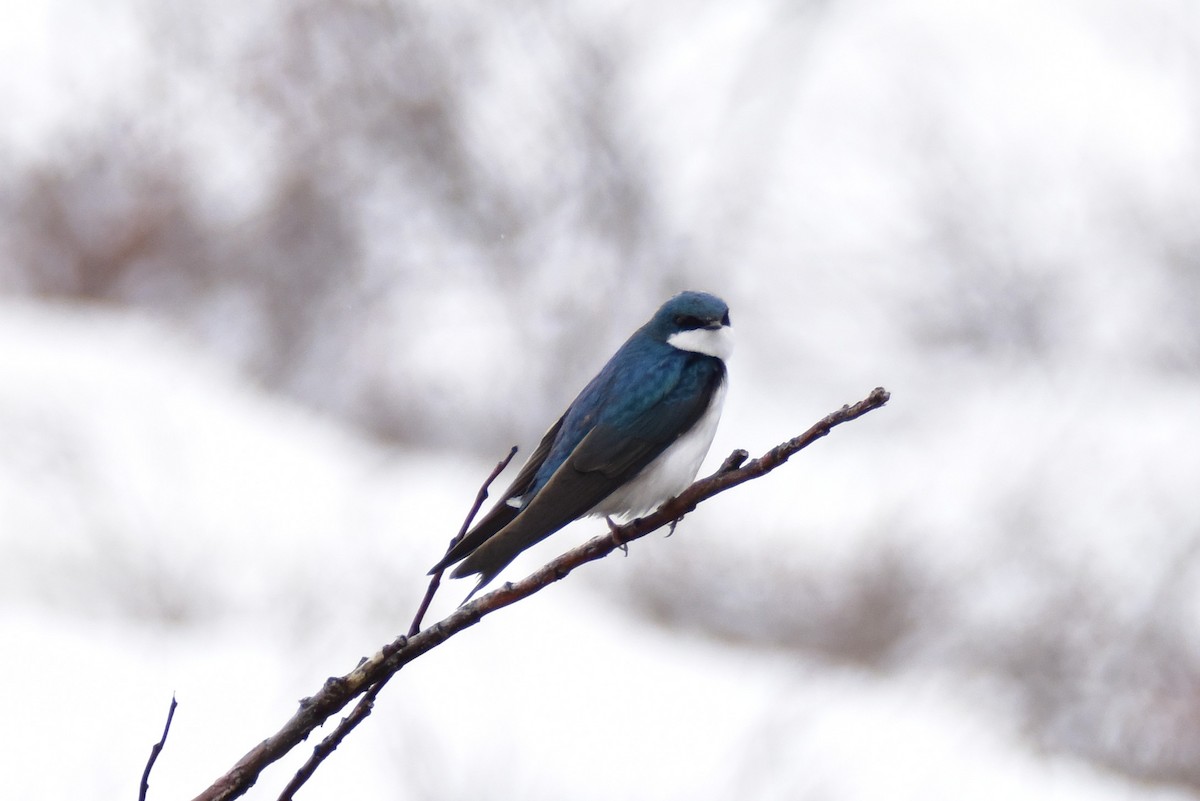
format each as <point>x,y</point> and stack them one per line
<point>620,453</point>
<point>604,460</point>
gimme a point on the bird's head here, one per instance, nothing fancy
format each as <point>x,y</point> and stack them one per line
<point>694,321</point>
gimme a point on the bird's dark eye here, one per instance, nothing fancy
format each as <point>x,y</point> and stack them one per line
<point>725,319</point>
<point>688,321</point>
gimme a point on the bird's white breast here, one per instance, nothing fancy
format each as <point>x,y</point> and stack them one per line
<point>673,470</point>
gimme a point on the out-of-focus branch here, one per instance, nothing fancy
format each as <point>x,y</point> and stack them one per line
<point>340,690</point>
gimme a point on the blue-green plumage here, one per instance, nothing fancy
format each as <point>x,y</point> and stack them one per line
<point>634,437</point>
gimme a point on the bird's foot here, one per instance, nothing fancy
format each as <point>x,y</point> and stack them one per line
<point>673,524</point>
<point>615,531</point>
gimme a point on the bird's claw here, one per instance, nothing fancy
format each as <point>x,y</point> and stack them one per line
<point>615,531</point>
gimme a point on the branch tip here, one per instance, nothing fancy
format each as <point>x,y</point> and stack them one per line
<point>155,750</point>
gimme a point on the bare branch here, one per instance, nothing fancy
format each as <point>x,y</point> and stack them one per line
<point>156,750</point>
<point>480,497</point>
<point>367,703</point>
<point>338,691</point>
<point>328,745</point>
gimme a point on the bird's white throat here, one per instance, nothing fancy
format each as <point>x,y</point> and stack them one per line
<point>710,341</point>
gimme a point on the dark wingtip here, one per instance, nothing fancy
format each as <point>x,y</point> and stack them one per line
<point>445,562</point>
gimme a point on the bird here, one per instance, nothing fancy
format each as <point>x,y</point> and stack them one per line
<point>635,436</point>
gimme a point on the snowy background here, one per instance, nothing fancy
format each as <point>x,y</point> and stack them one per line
<point>281,281</point>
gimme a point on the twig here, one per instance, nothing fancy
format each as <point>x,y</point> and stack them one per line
<point>480,497</point>
<point>328,745</point>
<point>155,750</point>
<point>338,691</point>
<point>367,703</point>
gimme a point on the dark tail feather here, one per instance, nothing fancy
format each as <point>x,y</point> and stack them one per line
<point>502,513</point>
<point>499,550</point>
<point>487,560</point>
<point>496,519</point>
<point>478,586</point>
<point>546,513</point>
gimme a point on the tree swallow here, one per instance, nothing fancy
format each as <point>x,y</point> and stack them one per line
<point>633,438</point>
